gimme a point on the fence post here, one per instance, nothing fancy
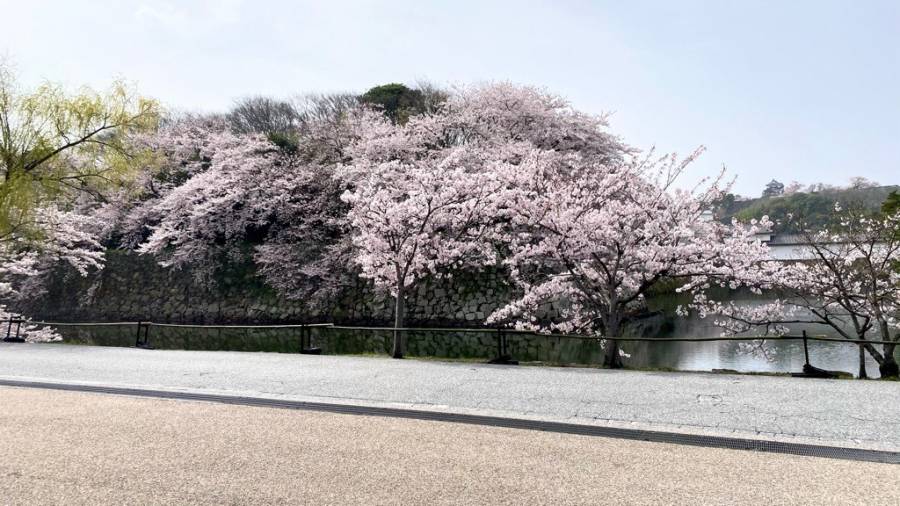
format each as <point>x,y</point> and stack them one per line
<point>808,370</point>
<point>145,343</point>
<point>9,337</point>
<point>806,349</point>
<point>503,356</point>
<point>306,342</point>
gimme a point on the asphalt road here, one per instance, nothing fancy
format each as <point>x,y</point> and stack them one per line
<point>846,413</point>
<point>93,449</point>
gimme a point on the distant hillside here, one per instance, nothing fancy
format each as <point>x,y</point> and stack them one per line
<point>816,208</point>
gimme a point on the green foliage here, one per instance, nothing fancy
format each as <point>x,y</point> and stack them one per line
<point>54,143</point>
<point>398,101</point>
<point>891,204</point>
<point>814,209</point>
<point>891,207</point>
<point>286,142</point>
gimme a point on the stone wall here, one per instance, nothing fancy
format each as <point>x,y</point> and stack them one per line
<point>134,287</point>
<point>445,344</point>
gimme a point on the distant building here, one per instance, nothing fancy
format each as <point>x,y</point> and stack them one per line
<point>794,247</point>
<point>773,189</point>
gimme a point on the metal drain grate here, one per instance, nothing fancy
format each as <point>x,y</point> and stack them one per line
<point>808,450</point>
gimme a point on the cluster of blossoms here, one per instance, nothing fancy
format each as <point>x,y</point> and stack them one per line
<point>25,329</point>
<point>55,237</point>
<point>216,197</point>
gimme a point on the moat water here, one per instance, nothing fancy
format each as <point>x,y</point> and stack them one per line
<point>782,357</point>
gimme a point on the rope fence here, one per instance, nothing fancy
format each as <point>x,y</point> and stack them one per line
<point>787,337</point>
<point>501,335</point>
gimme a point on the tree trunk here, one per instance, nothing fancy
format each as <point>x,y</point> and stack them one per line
<point>399,310</point>
<point>887,363</point>
<point>612,359</point>
<point>888,367</point>
<point>862,362</point>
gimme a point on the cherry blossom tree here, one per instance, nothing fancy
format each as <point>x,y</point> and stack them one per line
<point>427,194</point>
<point>219,197</point>
<point>412,221</point>
<point>594,238</point>
<point>201,218</point>
<point>846,279</point>
<point>498,113</point>
<point>182,148</point>
<point>57,237</point>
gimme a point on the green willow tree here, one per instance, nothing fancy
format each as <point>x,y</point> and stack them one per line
<point>56,146</point>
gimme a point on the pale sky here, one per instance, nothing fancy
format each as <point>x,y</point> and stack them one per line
<point>792,90</point>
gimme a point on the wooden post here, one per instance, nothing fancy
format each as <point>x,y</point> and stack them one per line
<point>805,349</point>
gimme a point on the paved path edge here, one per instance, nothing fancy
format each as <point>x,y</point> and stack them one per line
<point>540,424</point>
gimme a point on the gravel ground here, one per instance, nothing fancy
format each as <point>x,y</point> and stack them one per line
<point>78,448</point>
<point>835,412</point>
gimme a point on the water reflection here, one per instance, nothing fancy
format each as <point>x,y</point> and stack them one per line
<point>787,356</point>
